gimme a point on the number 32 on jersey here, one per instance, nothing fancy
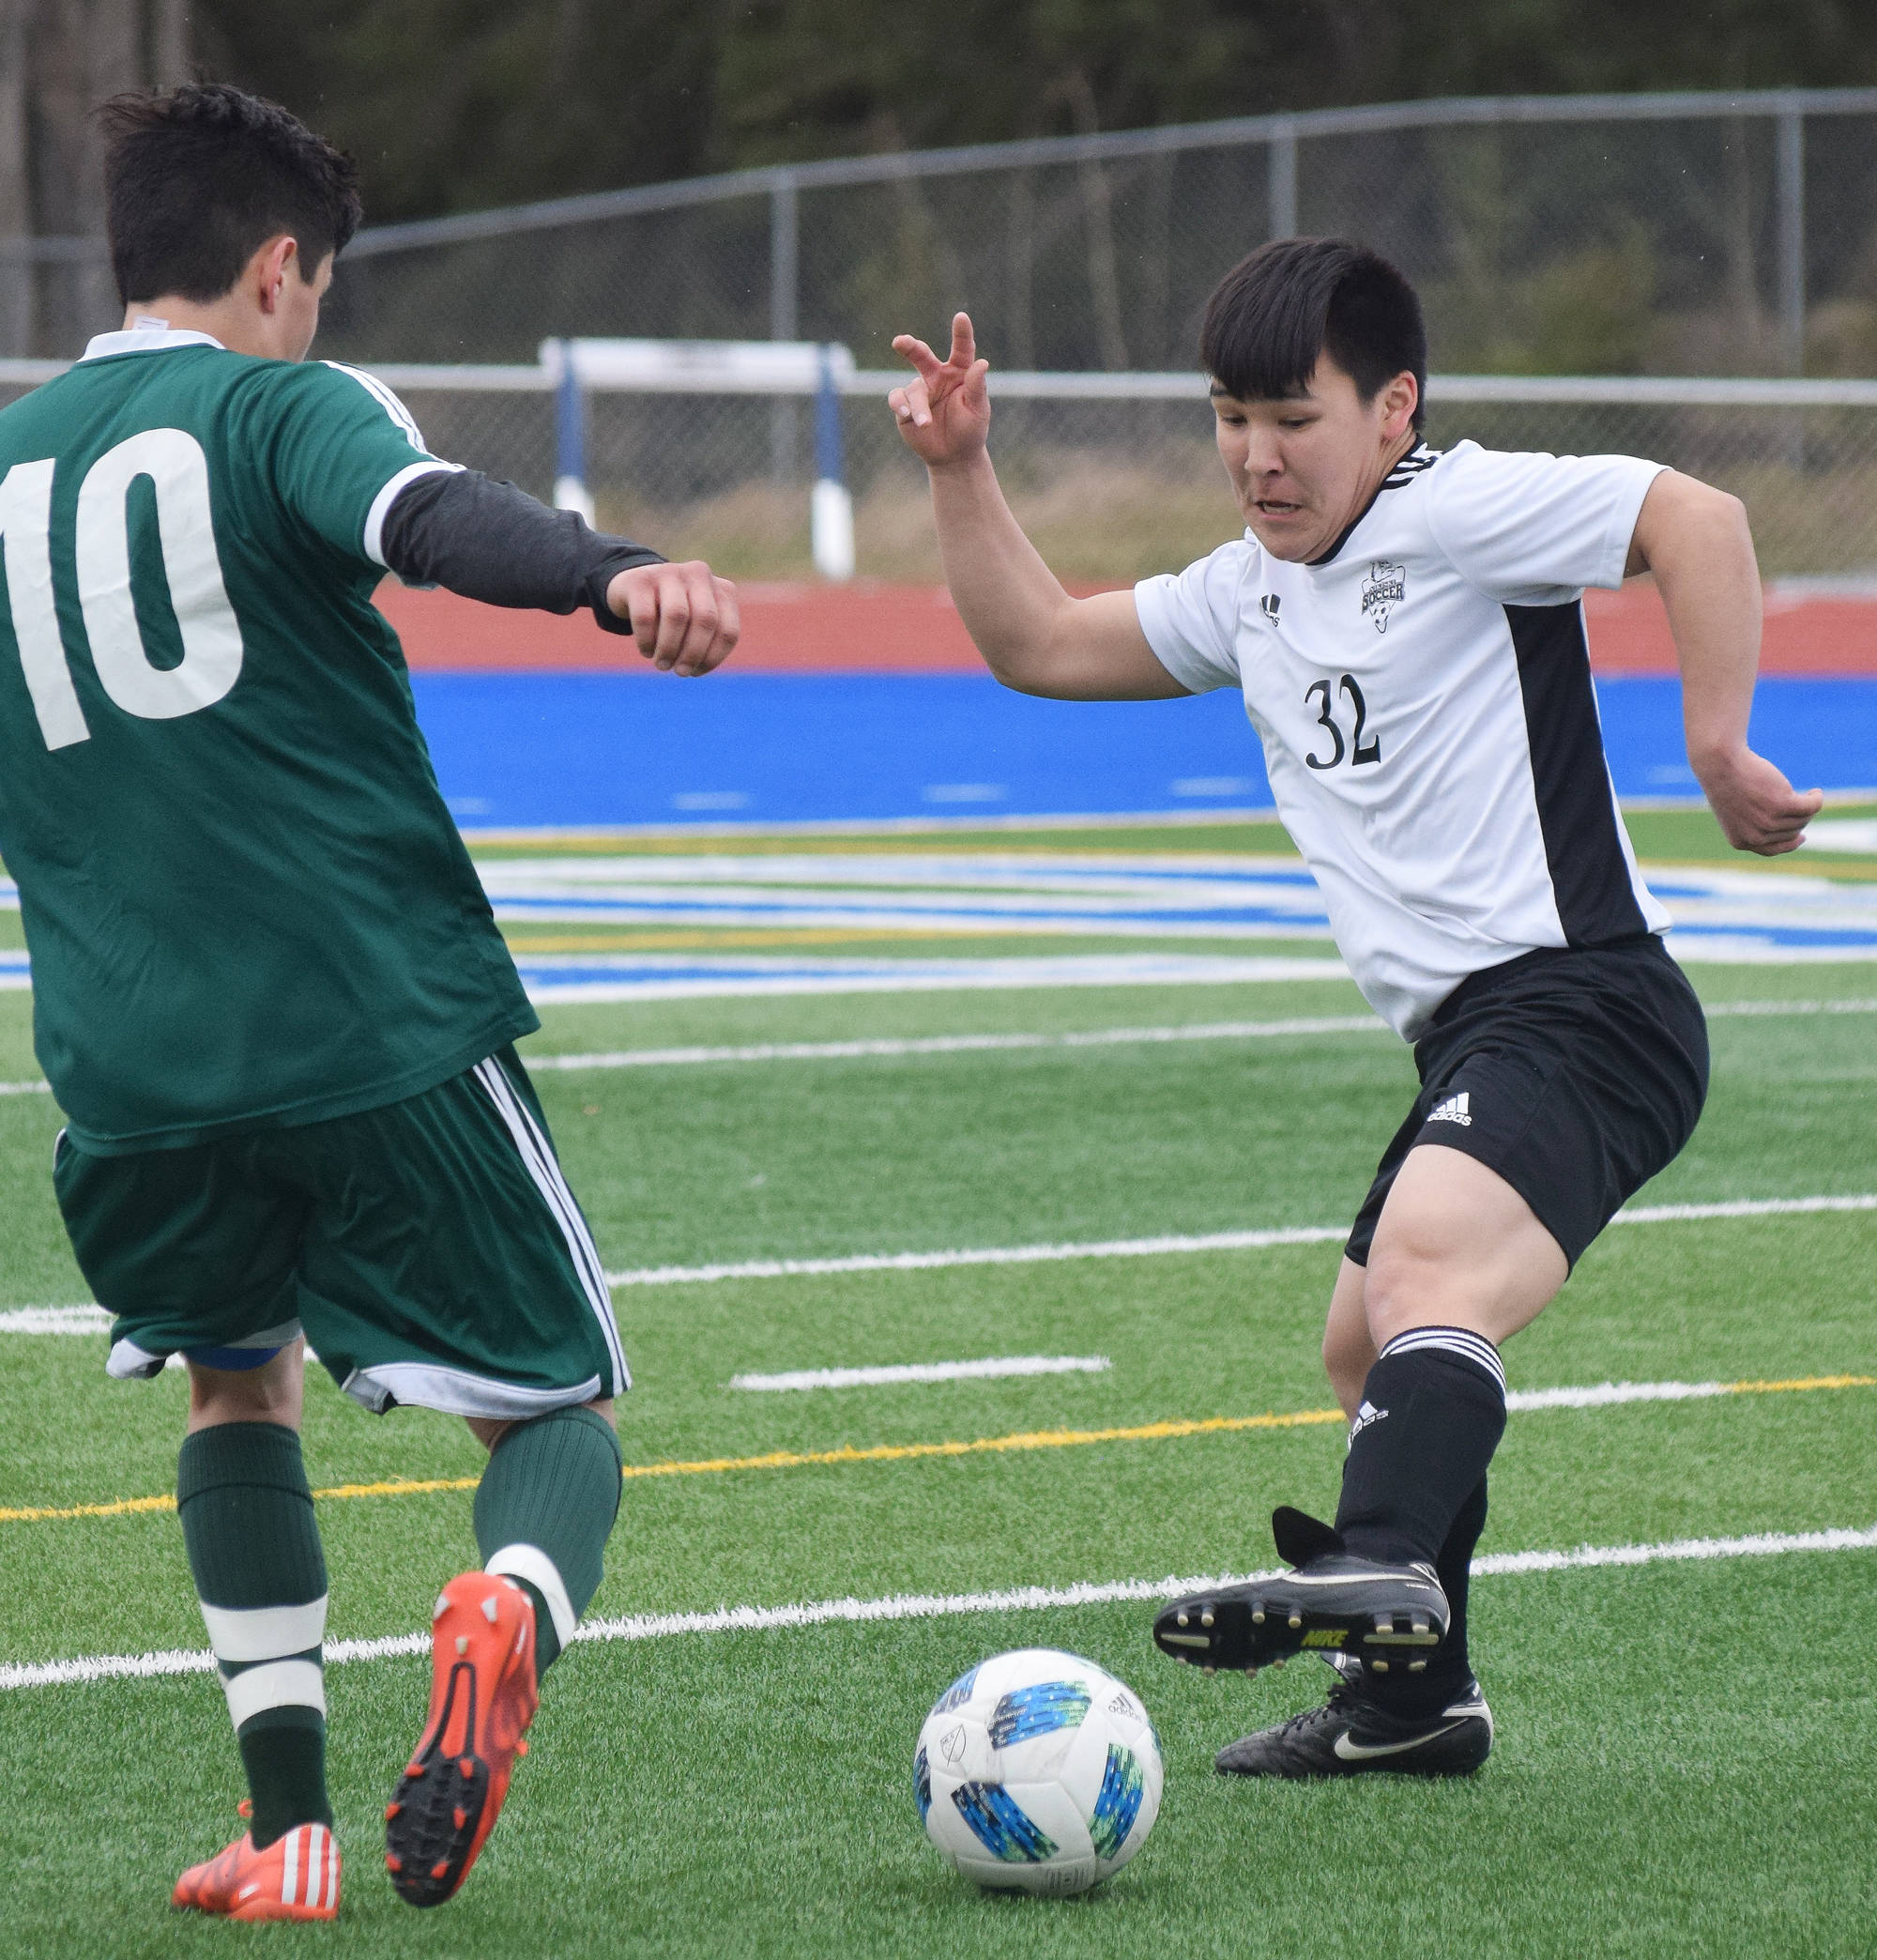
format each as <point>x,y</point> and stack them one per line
<point>1330,697</point>
<point>173,460</point>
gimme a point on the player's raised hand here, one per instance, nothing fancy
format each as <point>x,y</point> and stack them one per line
<point>684,617</point>
<point>1758,808</point>
<point>944,413</point>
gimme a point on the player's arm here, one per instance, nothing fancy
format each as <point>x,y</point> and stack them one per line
<point>1695,540</point>
<point>490,542</point>
<point>1033,635</point>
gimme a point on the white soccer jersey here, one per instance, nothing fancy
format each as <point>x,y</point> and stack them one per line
<point>1424,695</point>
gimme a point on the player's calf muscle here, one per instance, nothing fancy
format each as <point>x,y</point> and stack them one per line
<point>1348,1351</point>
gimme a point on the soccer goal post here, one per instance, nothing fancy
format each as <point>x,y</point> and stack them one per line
<point>782,373</point>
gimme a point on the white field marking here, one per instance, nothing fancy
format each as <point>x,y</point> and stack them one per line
<point>54,1320</point>
<point>1760,1009</point>
<point>1154,1247</point>
<point>575,978</point>
<point>1743,1208</point>
<point>1089,1038</point>
<point>963,1044</point>
<point>1080,1038</point>
<point>1612,1394</point>
<point>976,1255</point>
<point>92,1320</point>
<point>903,1606</point>
<point>926,1371</point>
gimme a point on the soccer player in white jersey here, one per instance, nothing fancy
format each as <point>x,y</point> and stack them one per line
<point>1407,629</point>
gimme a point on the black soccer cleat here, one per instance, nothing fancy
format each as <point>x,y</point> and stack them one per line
<point>1390,1617</point>
<point>1354,1735</point>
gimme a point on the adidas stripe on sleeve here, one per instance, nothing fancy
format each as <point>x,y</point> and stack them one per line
<point>343,447</point>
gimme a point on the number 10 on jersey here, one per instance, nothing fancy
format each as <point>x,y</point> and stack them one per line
<point>173,460</point>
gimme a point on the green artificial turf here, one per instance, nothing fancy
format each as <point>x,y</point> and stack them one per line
<point>1683,1745</point>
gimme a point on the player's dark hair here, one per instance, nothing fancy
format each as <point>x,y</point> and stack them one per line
<point>198,180</point>
<point>1294,299</point>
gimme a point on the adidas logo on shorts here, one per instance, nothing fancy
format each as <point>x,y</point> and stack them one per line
<point>1453,1111</point>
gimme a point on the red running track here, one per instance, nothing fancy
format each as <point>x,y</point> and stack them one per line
<point>869,627</point>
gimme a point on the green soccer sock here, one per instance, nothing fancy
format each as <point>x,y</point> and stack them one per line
<point>253,1548</point>
<point>543,1511</point>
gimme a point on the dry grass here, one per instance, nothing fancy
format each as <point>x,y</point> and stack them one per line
<point>1094,521</point>
<point>1097,520</point>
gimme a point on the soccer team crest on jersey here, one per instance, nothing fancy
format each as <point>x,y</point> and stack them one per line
<point>1383,591</point>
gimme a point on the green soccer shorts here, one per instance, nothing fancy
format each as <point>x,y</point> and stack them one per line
<point>429,1250</point>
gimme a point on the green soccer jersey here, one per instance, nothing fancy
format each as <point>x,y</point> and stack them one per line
<point>245,901</point>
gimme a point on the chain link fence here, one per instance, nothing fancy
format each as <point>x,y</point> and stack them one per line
<point>1122,482</point>
<point>1114,476</point>
<point>1661,233</point>
<point>1657,235</point>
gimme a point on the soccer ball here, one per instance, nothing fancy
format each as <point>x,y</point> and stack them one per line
<point>1037,1772</point>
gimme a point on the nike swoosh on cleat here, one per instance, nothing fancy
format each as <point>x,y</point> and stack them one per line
<point>1191,1640</point>
<point>1352,1752</point>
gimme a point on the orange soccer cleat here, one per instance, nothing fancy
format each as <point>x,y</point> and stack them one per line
<point>482,1696</point>
<point>296,1877</point>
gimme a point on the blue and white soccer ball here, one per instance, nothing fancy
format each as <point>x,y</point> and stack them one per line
<point>1037,1773</point>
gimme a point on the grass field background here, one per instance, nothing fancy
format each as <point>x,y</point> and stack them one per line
<point>1687,1750</point>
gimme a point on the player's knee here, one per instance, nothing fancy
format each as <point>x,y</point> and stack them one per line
<point>272,1393</point>
<point>1409,1280</point>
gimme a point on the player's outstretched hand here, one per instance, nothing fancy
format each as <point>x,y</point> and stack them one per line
<point>1758,808</point>
<point>684,617</point>
<point>944,414</point>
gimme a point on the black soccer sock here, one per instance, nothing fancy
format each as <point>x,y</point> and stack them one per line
<point>543,1513</point>
<point>1450,1670</point>
<point>1432,1413</point>
<point>1454,1566</point>
<point>253,1548</point>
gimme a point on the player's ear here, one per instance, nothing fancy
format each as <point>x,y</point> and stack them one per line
<point>1401,397</point>
<point>271,267</point>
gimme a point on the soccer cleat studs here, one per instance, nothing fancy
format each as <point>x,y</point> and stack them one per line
<point>483,1697</point>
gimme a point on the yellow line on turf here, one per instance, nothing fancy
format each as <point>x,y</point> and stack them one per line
<point>1802,1382</point>
<point>1027,1439</point>
<point>877,1453</point>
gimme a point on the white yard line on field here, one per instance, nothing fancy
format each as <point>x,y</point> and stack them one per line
<point>1077,1039</point>
<point>1092,1037</point>
<point>963,1044</point>
<point>926,1371</point>
<point>54,1320</point>
<point>905,1606</point>
<point>94,1320</point>
<point>1718,1010</point>
<point>976,1255</point>
<point>1253,1241</point>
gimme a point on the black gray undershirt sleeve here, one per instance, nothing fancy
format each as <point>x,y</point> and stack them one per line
<point>489,541</point>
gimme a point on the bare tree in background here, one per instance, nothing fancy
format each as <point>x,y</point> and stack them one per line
<point>58,58</point>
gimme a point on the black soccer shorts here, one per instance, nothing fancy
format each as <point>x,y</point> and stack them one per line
<point>1576,1073</point>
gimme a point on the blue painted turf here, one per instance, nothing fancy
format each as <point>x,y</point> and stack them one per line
<point>606,749</point>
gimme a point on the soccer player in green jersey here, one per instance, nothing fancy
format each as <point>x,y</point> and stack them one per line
<point>268,991</point>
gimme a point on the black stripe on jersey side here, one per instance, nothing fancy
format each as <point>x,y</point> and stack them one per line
<point>1577,814</point>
